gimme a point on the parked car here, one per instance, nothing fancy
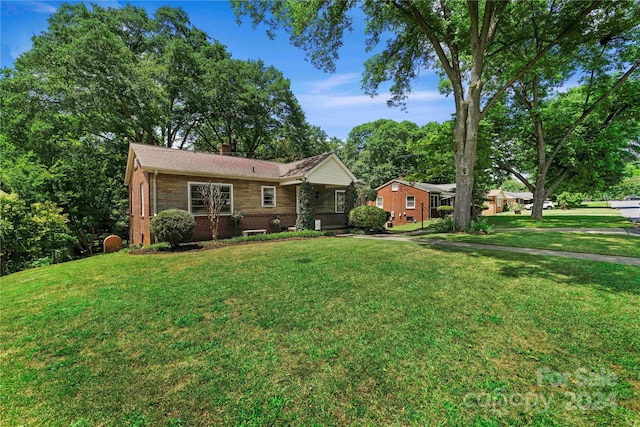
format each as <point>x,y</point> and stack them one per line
<point>548,204</point>
<point>631,198</point>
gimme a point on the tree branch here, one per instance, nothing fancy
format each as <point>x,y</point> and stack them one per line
<point>589,110</point>
<point>568,30</point>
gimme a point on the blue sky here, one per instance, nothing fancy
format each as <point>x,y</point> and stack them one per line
<point>335,102</point>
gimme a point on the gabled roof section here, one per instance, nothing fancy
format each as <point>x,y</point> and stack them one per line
<point>424,186</point>
<point>183,162</point>
<point>301,167</point>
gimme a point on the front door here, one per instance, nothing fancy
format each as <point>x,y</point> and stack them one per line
<point>434,202</point>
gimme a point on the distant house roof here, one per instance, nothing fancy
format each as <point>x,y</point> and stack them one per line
<point>525,195</point>
<point>182,162</point>
<point>445,189</point>
<point>496,193</point>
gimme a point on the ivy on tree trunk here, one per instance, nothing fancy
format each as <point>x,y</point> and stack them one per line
<point>306,215</point>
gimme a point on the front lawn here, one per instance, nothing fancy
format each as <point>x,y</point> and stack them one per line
<point>321,332</point>
<point>603,244</point>
<point>413,226</point>
<point>559,218</point>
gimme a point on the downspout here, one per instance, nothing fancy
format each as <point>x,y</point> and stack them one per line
<point>155,193</point>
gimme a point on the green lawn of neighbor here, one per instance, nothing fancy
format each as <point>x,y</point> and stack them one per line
<point>413,226</point>
<point>559,218</point>
<point>603,244</point>
<point>321,332</point>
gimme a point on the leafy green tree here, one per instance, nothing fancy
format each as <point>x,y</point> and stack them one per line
<point>30,234</point>
<point>575,140</point>
<point>477,46</point>
<point>433,150</point>
<point>513,185</point>
<point>377,152</point>
<point>250,107</point>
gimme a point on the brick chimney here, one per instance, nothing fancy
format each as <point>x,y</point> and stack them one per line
<point>225,150</point>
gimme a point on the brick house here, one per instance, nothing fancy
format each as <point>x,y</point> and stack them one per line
<point>498,198</point>
<point>410,202</point>
<point>163,178</point>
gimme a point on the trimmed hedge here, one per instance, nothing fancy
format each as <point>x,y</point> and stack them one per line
<point>174,226</point>
<point>369,218</point>
<point>444,210</point>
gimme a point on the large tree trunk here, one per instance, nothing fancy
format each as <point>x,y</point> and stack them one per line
<point>465,132</point>
<point>465,158</point>
<point>539,196</point>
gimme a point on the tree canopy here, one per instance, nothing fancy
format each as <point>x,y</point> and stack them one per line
<point>100,78</point>
<point>478,47</point>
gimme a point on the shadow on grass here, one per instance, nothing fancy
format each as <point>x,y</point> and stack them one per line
<point>560,221</point>
<point>605,276</point>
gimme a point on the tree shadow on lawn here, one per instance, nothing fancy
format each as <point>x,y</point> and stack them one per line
<point>603,275</point>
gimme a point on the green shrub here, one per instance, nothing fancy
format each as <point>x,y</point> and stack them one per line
<point>174,226</point>
<point>568,200</point>
<point>369,218</point>
<point>480,226</point>
<point>446,225</point>
<point>31,236</point>
<point>444,210</point>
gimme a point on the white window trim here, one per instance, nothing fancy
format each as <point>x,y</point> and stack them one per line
<point>395,186</point>
<point>381,204</point>
<point>499,201</point>
<point>142,199</point>
<point>406,201</point>
<point>274,196</point>
<point>189,184</point>
<point>336,200</point>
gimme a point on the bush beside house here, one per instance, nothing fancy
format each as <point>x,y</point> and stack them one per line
<point>174,226</point>
<point>369,218</point>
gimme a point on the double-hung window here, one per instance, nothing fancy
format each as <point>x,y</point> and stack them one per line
<point>268,196</point>
<point>379,202</point>
<point>142,200</point>
<point>411,202</point>
<point>200,198</point>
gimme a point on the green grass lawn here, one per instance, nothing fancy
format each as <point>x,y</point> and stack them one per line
<point>412,226</point>
<point>321,332</point>
<point>558,218</point>
<point>602,244</point>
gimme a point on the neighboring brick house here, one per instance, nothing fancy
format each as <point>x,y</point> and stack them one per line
<point>497,199</point>
<point>409,202</point>
<point>162,178</point>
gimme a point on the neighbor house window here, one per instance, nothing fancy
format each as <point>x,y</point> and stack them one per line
<point>340,201</point>
<point>197,204</point>
<point>268,196</point>
<point>411,202</point>
<point>142,199</point>
<point>394,186</point>
<point>435,201</point>
<point>379,201</point>
<point>499,202</point>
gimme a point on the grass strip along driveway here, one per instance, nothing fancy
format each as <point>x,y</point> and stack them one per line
<point>321,332</point>
<point>558,218</point>
<point>601,244</point>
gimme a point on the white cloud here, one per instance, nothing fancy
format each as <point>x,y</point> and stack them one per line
<point>337,114</point>
<point>333,82</point>
<point>41,7</point>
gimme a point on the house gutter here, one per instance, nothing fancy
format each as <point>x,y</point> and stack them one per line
<point>155,193</point>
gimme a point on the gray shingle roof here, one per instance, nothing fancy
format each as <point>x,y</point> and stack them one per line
<point>170,160</point>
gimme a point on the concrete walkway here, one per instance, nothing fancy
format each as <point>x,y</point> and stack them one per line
<point>512,249</point>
